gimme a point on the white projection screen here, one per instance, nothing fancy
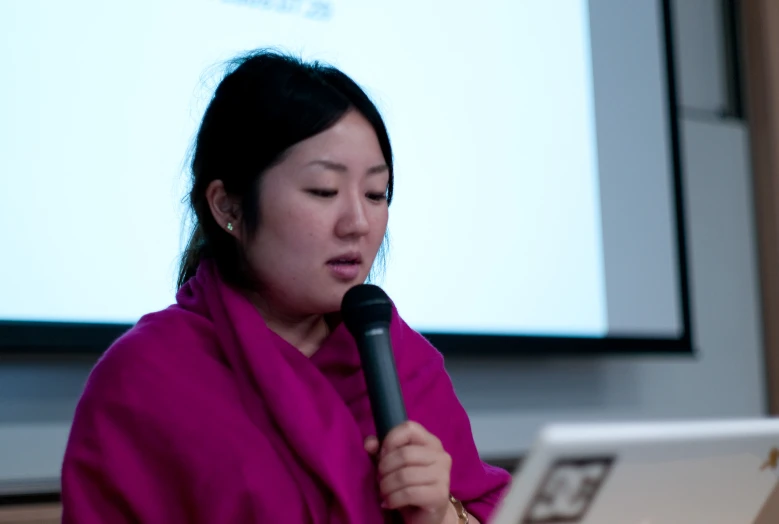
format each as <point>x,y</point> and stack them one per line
<point>537,194</point>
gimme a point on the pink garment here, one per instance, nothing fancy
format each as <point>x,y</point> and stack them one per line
<point>200,413</point>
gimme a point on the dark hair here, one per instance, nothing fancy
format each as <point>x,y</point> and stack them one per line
<point>266,103</point>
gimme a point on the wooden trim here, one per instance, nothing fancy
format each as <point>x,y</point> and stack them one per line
<point>760,19</point>
<point>35,514</point>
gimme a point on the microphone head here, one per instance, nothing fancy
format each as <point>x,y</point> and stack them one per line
<point>365,304</point>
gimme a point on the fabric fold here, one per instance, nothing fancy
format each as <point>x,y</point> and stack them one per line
<point>201,413</point>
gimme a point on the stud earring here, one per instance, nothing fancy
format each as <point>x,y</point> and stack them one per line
<point>229,226</point>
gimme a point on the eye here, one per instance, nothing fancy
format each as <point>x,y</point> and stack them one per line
<point>377,197</point>
<point>324,193</point>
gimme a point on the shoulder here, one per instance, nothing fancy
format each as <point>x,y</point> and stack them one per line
<point>162,410</point>
<point>162,350</point>
<point>413,352</point>
<point>165,377</point>
<point>170,327</point>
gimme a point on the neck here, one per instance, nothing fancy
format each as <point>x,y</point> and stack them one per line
<point>306,332</point>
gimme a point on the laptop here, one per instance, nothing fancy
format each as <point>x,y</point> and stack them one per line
<point>708,472</point>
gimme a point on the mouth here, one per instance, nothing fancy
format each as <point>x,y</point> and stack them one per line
<point>346,267</point>
<point>346,259</point>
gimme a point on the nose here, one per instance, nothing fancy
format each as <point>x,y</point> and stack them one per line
<point>353,219</point>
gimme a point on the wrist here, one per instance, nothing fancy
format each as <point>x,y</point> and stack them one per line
<point>451,516</point>
<point>456,513</point>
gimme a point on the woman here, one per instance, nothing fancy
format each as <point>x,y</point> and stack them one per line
<point>244,401</point>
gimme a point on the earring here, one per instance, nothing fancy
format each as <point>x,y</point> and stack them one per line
<point>229,226</point>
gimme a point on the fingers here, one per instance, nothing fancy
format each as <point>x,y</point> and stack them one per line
<point>409,433</point>
<point>371,445</point>
<point>413,469</point>
<point>405,457</point>
<point>423,496</point>
<point>406,478</point>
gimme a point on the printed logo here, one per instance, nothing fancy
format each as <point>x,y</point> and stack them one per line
<point>568,490</point>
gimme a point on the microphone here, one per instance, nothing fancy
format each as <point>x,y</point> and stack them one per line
<point>366,311</point>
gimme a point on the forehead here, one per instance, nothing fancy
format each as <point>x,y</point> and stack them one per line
<point>351,139</point>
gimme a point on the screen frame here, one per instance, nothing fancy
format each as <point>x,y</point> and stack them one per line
<point>67,338</point>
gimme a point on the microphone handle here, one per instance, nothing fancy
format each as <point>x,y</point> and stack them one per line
<point>381,377</point>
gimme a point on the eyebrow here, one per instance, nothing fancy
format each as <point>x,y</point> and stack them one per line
<point>341,168</point>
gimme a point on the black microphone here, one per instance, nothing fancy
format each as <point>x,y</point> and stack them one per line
<point>366,311</point>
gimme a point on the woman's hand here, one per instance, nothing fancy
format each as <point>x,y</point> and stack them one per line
<point>414,473</point>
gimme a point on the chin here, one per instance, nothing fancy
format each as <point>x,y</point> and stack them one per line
<point>332,302</point>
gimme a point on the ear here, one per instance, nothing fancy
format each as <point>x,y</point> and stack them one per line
<point>224,208</point>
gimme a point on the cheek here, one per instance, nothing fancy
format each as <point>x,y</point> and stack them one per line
<point>291,233</point>
<point>278,256</point>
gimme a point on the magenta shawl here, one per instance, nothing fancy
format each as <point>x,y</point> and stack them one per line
<point>200,413</point>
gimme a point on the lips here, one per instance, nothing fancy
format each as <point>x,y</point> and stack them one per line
<point>345,267</point>
<point>347,258</point>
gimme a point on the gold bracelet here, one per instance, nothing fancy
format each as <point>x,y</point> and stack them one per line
<point>460,509</point>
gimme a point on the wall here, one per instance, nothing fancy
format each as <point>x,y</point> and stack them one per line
<point>509,399</point>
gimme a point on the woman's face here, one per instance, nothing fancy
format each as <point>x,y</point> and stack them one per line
<point>323,216</point>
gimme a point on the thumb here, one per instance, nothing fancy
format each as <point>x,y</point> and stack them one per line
<point>371,445</point>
